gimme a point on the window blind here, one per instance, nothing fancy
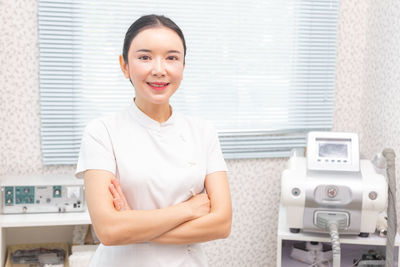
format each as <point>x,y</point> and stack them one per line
<point>262,71</point>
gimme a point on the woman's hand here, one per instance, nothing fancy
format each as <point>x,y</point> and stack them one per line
<point>200,205</point>
<point>119,200</point>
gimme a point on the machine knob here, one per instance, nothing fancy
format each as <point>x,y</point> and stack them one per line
<point>8,201</point>
<point>24,209</point>
<point>9,192</point>
<point>296,191</point>
<point>57,192</point>
<point>373,195</point>
<point>332,191</point>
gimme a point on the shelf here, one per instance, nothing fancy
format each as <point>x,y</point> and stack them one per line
<point>348,254</point>
<point>44,219</point>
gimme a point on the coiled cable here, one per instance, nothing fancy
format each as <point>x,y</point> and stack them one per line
<point>333,231</point>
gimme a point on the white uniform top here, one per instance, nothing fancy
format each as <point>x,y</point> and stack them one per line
<point>158,165</point>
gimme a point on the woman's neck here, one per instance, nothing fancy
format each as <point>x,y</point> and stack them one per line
<point>160,113</point>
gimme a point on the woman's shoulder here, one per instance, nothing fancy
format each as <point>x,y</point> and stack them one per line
<point>106,121</point>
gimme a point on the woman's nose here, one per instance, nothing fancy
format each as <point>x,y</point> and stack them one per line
<point>158,67</point>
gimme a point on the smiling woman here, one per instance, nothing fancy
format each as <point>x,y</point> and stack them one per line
<point>155,179</point>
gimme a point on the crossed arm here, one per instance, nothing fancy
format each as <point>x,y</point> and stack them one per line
<point>202,218</point>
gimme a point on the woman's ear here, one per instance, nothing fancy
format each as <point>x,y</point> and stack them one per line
<point>124,66</point>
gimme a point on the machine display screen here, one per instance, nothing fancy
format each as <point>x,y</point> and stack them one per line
<point>332,150</point>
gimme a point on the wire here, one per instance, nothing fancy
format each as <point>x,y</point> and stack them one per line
<point>333,231</point>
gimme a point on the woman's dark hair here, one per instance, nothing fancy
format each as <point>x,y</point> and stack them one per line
<point>149,21</point>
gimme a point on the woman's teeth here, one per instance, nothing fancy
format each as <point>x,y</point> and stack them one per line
<point>158,85</point>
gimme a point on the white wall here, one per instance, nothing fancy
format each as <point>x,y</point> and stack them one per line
<point>381,99</point>
<point>367,79</point>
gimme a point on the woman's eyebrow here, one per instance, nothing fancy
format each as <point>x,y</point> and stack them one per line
<point>149,51</point>
<point>143,50</point>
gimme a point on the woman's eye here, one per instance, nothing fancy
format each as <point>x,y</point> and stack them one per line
<point>144,57</point>
<point>172,58</point>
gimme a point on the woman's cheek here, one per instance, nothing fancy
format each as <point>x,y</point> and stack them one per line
<point>177,70</point>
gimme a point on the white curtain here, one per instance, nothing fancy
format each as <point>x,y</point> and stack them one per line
<point>262,71</point>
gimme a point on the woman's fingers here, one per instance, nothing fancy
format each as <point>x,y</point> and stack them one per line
<point>116,197</point>
<point>113,191</point>
<point>117,186</point>
<point>119,199</point>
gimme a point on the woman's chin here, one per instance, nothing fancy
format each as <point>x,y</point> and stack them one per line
<point>155,98</point>
<point>161,98</point>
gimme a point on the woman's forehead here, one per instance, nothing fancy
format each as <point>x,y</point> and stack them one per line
<point>157,38</point>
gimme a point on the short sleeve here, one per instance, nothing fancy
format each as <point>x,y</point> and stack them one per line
<point>215,159</point>
<point>96,149</point>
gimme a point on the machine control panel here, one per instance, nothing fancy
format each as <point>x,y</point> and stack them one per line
<point>39,197</point>
<point>332,151</point>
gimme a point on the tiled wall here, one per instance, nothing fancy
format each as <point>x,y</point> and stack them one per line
<point>366,102</point>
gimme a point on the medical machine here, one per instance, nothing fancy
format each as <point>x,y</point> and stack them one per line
<point>332,183</point>
<point>41,193</point>
<point>330,190</point>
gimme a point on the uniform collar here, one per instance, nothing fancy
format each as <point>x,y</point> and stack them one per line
<point>148,122</point>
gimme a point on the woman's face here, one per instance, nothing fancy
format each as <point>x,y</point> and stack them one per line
<point>156,63</point>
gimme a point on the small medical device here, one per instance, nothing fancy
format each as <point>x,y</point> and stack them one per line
<point>38,194</point>
<point>332,190</point>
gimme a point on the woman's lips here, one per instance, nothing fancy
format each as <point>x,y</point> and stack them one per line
<point>158,86</point>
